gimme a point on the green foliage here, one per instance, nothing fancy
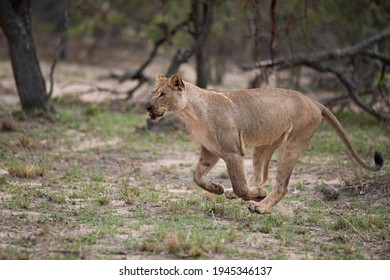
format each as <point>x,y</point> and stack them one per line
<point>356,19</point>
<point>92,110</point>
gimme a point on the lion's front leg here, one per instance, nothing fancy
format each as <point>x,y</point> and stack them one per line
<point>207,161</point>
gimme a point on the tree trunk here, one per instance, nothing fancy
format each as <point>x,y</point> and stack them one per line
<point>202,71</point>
<point>15,20</point>
<point>200,34</point>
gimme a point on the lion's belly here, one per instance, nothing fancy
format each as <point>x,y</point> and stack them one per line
<point>263,131</point>
<point>253,139</point>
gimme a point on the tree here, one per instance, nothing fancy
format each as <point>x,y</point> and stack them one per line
<point>361,66</point>
<point>201,17</point>
<point>344,64</point>
<point>15,21</point>
<point>197,24</point>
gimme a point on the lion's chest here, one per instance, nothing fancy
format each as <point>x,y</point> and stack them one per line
<point>204,137</point>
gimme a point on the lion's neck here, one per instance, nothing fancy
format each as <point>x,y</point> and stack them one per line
<point>196,110</point>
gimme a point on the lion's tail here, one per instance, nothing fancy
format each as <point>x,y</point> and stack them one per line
<point>331,119</point>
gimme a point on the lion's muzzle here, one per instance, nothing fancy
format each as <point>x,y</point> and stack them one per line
<point>154,116</point>
<point>149,107</point>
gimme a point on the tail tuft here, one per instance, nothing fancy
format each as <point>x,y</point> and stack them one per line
<point>378,160</point>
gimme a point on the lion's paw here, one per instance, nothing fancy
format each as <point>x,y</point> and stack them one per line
<point>229,193</point>
<point>256,208</point>
<point>216,188</point>
<point>262,193</point>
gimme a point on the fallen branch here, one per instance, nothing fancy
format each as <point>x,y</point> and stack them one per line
<point>332,210</point>
<point>131,91</point>
<point>336,101</point>
<point>381,57</point>
<point>303,58</point>
<point>92,88</point>
<point>336,63</point>
<point>101,89</point>
<point>351,88</point>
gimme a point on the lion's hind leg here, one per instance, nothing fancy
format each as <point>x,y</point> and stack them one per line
<point>288,156</point>
<point>289,152</point>
<point>262,156</point>
<point>207,161</point>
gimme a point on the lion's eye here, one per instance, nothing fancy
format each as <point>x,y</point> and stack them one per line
<point>161,95</point>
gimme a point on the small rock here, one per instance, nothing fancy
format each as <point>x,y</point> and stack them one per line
<point>7,123</point>
<point>330,192</point>
<point>3,172</point>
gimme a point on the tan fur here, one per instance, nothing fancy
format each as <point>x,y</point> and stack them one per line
<point>226,123</point>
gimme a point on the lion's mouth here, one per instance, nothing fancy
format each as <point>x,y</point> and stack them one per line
<point>155,117</point>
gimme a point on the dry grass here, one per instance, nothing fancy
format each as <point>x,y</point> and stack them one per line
<point>28,143</point>
<point>24,170</point>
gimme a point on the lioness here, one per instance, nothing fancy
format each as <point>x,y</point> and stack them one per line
<point>225,123</point>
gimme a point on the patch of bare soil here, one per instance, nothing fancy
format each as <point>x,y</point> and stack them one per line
<point>370,189</point>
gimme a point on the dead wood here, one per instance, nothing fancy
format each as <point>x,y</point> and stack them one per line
<point>340,62</point>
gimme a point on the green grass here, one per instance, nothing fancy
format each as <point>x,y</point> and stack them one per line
<point>97,200</point>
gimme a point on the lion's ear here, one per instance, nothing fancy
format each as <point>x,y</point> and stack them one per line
<point>159,78</point>
<point>176,82</point>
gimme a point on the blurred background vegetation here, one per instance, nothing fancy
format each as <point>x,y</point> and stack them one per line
<point>126,33</point>
<point>96,26</point>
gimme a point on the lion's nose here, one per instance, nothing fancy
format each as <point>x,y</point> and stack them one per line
<point>149,107</point>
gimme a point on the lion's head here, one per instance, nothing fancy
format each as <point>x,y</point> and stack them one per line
<point>168,96</point>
